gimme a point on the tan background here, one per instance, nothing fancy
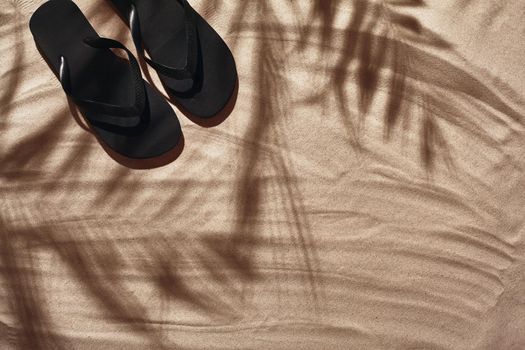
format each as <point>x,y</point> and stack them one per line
<point>367,191</point>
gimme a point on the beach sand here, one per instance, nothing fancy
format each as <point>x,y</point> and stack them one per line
<point>365,192</point>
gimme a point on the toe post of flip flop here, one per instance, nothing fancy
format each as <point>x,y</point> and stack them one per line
<point>193,62</point>
<point>122,110</point>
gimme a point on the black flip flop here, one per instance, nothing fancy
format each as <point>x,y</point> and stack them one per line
<point>193,62</point>
<point>122,110</point>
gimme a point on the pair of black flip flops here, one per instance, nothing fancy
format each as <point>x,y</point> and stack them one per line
<point>124,111</point>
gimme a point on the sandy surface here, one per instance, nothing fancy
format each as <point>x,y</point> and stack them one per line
<point>367,192</point>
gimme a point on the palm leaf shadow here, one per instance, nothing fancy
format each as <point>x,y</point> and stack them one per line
<point>97,260</point>
<point>413,76</point>
<point>26,161</point>
<point>22,287</point>
<point>270,91</point>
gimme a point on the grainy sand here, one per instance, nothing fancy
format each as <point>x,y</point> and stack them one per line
<point>367,192</point>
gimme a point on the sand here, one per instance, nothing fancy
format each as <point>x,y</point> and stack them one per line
<point>366,192</point>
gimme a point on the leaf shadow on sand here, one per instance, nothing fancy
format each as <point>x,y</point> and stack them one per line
<point>394,55</point>
<point>389,52</point>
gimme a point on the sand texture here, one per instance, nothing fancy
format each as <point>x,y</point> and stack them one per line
<point>366,192</point>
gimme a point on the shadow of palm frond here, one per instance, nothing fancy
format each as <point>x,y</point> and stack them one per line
<point>213,275</point>
<point>96,262</point>
<point>20,281</point>
<point>228,258</point>
<point>323,12</point>
<point>396,56</point>
<point>33,152</point>
<point>10,22</point>
<point>33,158</point>
<point>267,173</point>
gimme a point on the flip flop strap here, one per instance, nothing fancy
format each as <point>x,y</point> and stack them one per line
<point>136,110</point>
<point>186,72</point>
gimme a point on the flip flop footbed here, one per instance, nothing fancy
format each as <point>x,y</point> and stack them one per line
<point>98,74</point>
<point>163,32</point>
